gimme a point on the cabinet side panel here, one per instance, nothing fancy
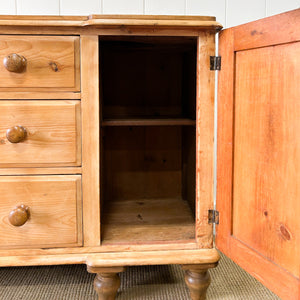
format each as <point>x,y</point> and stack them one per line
<point>90,140</point>
<point>204,138</point>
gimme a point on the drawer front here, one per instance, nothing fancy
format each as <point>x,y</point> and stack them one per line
<point>51,133</point>
<point>50,206</point>
<point>40,62</point>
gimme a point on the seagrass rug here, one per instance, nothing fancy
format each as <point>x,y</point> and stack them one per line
<point>73,282</point>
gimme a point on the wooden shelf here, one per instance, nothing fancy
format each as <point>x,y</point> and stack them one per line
<point>147,220</point>
<point>148,122</point>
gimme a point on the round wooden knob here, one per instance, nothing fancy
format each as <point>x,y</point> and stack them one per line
<point>15,63</point>
<point>19,215</point>
<point>16,134</point>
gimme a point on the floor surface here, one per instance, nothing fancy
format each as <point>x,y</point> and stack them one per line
<point>73,282</point>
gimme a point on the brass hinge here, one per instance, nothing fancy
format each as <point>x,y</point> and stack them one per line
<point>213,217</point>
<point>215,63</point>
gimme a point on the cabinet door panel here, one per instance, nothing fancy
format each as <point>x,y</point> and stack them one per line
<point>267,153</point>
<point>259,151</point>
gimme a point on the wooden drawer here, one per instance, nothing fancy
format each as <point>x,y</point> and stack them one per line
<point>52,62</point>
<point>52,133</point>
<point>54,218</point>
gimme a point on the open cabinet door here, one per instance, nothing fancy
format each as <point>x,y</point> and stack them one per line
<point>258,170</point>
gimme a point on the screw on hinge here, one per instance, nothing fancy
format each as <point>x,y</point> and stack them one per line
<point>213,216</point>
<point>215,63</point>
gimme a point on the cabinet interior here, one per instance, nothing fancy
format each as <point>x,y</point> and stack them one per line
<point>148,139</point>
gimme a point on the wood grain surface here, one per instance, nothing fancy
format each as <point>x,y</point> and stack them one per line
<point>40,171</point>
<point>142,162</point>
<point>90,139</point>
<point>147,220</point>
<point>278,29</point>
<point>53,133</point>
<point>259,152</point>
<point>159,246</point>
<point>225,139</point>
<point>267,153</point>
<point>55,211</point>
<point>14,95</point>
<point>125,258</point>
<point>203,22</point>
<point>52,62</point>
<point>204,139</point>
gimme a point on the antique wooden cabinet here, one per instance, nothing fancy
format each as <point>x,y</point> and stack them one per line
<point>107,146</point>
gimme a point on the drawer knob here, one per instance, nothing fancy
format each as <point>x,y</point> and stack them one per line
<point>19,215</point>
<point>16,134</point>
<point>15,63</point>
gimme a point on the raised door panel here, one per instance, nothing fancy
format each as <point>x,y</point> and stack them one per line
<point>267,153</point>
<point>259,150</point>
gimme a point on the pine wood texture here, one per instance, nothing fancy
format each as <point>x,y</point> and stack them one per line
<point>143,186</point>
<point>152,17</point>
<point>62,21</point>
<point>142,163</point>
<point>14,95</point>
<point>54,205</point>
<point>116,258</point>
<point>175,245</point>
<point>202,22</point>
<point>156,21</point>
<point>90,140</point>
<point>267,153</point>
<point>52,62</point>
<point>259,153</point>
<point>274,30</point>
<point>42,171</point>
<point>204,139</point>
<point>225,139</point>
<point>199,256</point>
<point>52,133</point>
<point>147,220</point>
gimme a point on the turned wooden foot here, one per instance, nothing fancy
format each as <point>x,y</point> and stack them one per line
<point>107,281</point>
<point>197,279</point>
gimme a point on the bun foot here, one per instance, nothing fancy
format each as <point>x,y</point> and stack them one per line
<point>107,281</point>
<point>197,279</point>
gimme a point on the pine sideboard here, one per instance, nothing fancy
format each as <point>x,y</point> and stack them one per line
<point>100,160</point>
<point>107,144</point>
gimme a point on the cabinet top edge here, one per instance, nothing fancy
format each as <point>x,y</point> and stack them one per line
<point>153,17</point>
<point>157,21</point>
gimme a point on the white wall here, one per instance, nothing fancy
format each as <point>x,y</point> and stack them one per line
<point>228,12</point>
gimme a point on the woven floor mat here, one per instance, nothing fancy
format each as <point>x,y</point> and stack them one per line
<point>144,283</point>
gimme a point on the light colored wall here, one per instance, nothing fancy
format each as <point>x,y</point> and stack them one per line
<point>228,12</point>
